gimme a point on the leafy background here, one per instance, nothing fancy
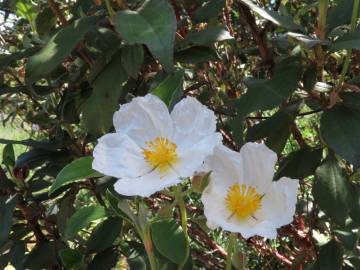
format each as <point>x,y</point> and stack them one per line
<point>285,73</point>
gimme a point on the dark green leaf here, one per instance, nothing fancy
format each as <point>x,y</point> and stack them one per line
<point>8,155</point>
<point>170,89</point>
<point>7,206</point>
<point>71,258</point>
<point>205,37</point>
<point>76,170</point>
<point>169,239</point>
<point>104,235</point>
<point>309,78</point>
<point>58,47</point>
<point>347,238</point>
<point>195,55</point>
<point>208,10</point>
<point>266,94</point>
<point>348,41</point>
<point>43,256</point>
<point>17,254</point>
<point>351,100</point>
<point>120,207</point>
<point>82,218</point>
<point>331,191</point>
<point>273,16</point>
<point>104,260</point>
<point>331,256</point>
<point>45,21</point>
<point>299,164</point>
<point>340,13</point>
<point>99,108</point>
<point>340,129</point>
<point>132,57</point>
<point>154,25</point>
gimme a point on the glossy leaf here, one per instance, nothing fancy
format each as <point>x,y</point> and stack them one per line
<point>99,108</point>
<point>57,48</point>
<point>7,206</point>
<point>154,24</point>
<point>331,191</point>
<point>170,89</point>
<point>82,218</point>
<point>132,58</point>
<point>71,258</point>
<point>104,235</point>
<point>76,170</point>
<point>340,129</point>
<point>348,41</point>
<point>169,240</point>
<point>331,256</point>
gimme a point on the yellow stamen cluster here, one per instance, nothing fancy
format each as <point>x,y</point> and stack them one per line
<point>242,201</point>
<point>161,154</point>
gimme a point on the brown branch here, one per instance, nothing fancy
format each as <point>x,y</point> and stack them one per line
<point>297,135</point>
<point>57,12</point>
<point>247,18</point>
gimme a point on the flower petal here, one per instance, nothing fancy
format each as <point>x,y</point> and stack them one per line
<point>119,156</point>
<point>279,203</point>
<point>258,163</point>
<point>192,158</point>
<point>218,216</point>
<point>225,165</point>
<point>146,185</point>
<point>144,119</point>
<point>192,121</point>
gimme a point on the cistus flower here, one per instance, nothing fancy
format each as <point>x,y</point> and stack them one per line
<point>153,149</point>
<point>241,196</point>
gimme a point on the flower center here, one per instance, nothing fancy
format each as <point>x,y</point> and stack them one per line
<point>242,201</point>
<point>160,153</point>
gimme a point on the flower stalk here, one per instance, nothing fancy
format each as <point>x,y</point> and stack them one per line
<point>149,248</point>
<point>346,65</point>
<point>230,250</point>
<point>183,216</point>
<point>109,9</point>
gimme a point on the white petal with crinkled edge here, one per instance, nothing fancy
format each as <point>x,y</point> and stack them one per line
<point>279,203</point>
<point>146,185</point>
<point>192,121</point>
<point>143,119</point>
<point>192,158</point>
<point>119,156</point>
<point>258,163</point>
<point>217,215</point>
<point>225,165</point>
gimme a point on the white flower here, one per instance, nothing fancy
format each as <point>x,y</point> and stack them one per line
<point>153,149</point>
<point>241,196</point>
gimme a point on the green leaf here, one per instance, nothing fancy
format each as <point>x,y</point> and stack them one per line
<point>310,78</point>
<point>348,41</point>
<point>7,206</point>
<point>76,170</point>
<point>299,164</point>
<point>169,239</point>
<point>340,14</point>
<point>82,218</point>
<point>348,238</point>
<point>104,235</point>
<point>8,155</point>
<point>170,89</point>
<point>132,58</point>
<point>273,16</point>
<point>153,24</point>
<point>331,191</point>
<point>105,260</point>
<point>205,37</point>
<point>71,258</point>
<point>43,256</point>
<point>120,207</point>
<point>99,108</point>
<point>17,254</point>
<point>45,21</point>
<point>27,10</point>
<point>331,256</point>
<point>266,94</point>
<point>208,10</point>
<point>57,48</point>
<point>351,100</point>
<point>340,129</point>
<point>196,55</point>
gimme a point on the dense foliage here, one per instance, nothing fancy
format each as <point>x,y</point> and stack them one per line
<point>285,73</point>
